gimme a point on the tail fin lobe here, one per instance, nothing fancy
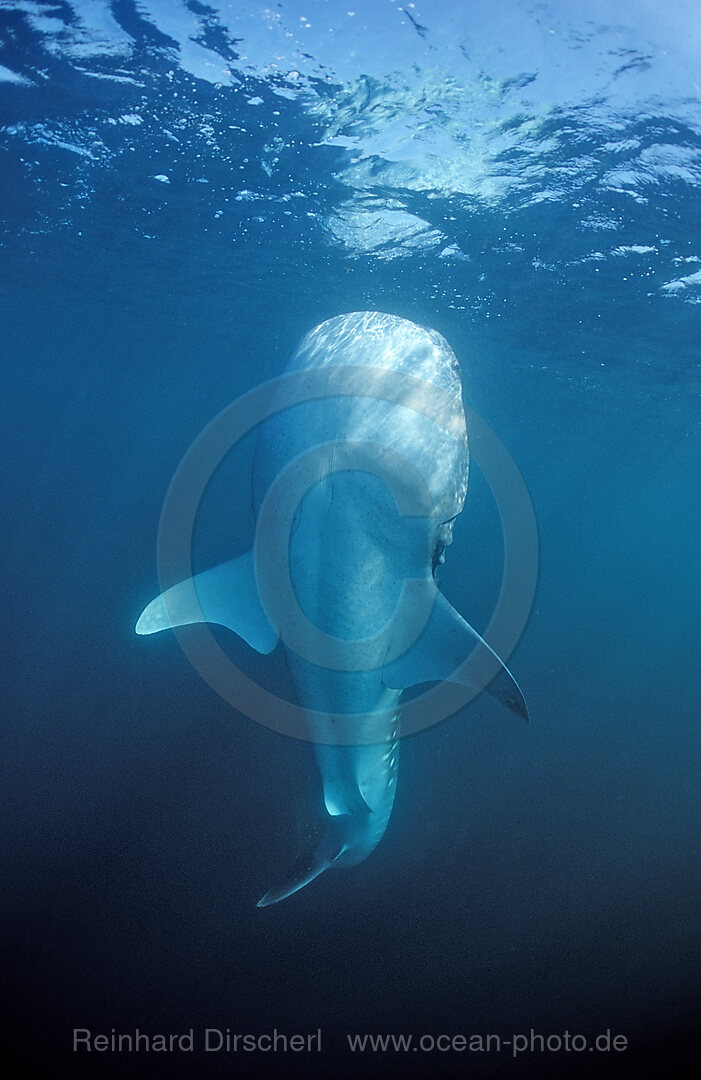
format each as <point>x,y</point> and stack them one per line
<point>309,866</point>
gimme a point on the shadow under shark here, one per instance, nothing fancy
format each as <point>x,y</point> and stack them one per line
<point>366,521</point>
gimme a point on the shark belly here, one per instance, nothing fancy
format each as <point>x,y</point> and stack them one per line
<point>348,583</point>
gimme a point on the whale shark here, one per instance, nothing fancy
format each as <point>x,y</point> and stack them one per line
<point>345,577</point>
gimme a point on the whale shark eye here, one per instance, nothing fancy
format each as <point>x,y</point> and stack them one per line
<point>445,537</point>
<point>438,557</point>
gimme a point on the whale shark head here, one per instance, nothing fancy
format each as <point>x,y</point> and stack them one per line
<point>423,422</point>
<point>394,436</point>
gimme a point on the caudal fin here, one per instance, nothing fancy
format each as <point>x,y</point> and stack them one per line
<point>307,867</point>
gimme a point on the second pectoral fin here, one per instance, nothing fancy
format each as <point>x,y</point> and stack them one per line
<point>440,653</point>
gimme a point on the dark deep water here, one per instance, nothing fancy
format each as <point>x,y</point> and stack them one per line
<point>525,181</point>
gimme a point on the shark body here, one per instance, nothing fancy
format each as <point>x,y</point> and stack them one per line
<point>351,549</point>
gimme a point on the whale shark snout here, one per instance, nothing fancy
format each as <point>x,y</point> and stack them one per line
<point>356,540</point>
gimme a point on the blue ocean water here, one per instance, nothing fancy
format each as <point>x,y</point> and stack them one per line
<point>187,189</point>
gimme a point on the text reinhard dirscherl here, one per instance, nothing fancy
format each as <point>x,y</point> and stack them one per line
<point>216,1040</point>
<point>209,1039</point>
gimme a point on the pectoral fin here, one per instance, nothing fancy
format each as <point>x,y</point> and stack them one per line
<point>439,655</point>
<point>226,595</point>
